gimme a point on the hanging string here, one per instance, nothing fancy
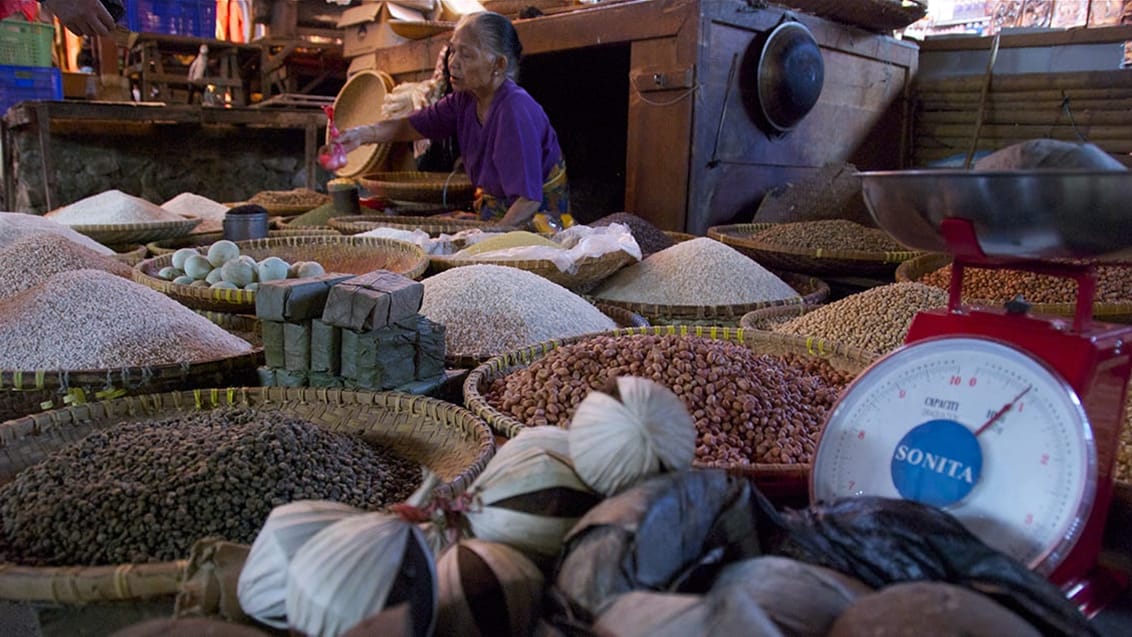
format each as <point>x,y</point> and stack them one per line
<point>1069,113</point>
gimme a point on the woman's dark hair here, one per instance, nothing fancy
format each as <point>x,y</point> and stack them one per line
<point>498,35</point>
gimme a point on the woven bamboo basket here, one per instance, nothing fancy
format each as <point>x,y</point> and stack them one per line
<point>130,254</point>
<point>358,103</point>
<point>347,255</point>
<point>416,30</point>
<point>169,246</point>
<point>135,233</point>
<point>874,15</point>
<point>433,226</point>
<point>449,440</point>
<point>809,261</point>
<point>450,190</point>
<point>245,326</point>
<point>588,271</point>
<point>917,268</point>
<point>811,290</point>
<point>768,317</point>
<point>621,317</point>
<point>782,479</point>
<point>32,391</point>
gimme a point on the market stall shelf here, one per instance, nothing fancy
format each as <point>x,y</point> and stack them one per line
<point>346,255</point>
<point>448,440</point>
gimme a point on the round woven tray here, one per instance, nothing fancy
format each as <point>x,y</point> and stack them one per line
<point>622,317</point>
<point>809,261</point>
<point>768,317</point>
<point>589,271</point>
<point>917,268</point>
<point>130,254</point>
<point>133,233</point>
<point>355,224</point>
<point>449,440</point>
<point>347,255</point>
<point>450,190</point>
<point>32,391</point>
<point>810,290</point>
<point>781,478</point>
<point>169,246</point>
<point>358,103</point>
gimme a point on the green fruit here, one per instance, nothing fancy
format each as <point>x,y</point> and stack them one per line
<point>197,266</point>
<point>223,285</point>
<point>182,255</point>
<point>309,269</point>
<point>184,280</point>
<point>222,252</point>
<point>169,273</point>
<point>213,276</point>
<point>237,272</point>
<point>272,269</point>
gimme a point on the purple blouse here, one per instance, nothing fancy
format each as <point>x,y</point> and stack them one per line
<point>511,154</point>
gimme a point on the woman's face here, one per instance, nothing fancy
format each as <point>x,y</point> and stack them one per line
<point>470,65</point>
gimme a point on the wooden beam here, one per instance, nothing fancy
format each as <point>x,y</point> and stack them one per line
<point>1092,35</point>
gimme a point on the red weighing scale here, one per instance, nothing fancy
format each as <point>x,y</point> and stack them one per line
<point>1009,421</point>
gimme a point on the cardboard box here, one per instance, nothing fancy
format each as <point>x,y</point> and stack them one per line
<point>294,299</point>
<point>365,28</point>
<point>372,301</point>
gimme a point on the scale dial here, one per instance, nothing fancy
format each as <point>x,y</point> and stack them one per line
<point>975,427</point>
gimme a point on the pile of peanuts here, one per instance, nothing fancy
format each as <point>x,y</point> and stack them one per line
<point>829,234</point>
<point>749,408</point>
<point>1114,285</point>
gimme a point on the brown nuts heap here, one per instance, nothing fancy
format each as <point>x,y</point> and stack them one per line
<point>748,407</point>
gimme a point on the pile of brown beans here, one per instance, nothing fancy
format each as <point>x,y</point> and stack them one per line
<point>1114,285</point>
<point>748,407</point>
<point>829,234</point>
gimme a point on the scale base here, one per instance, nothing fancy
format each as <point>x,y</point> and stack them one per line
<point>1093,592</point>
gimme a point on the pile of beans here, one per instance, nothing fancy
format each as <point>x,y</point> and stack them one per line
<point>494,309</point>
<point>875,320</point>
<point>296,197</point>
<point>650,238</point>
<point>1123,469</point>
<point>90,319</point>
<point>829,234</point>
<point>145,491</point>
<point>701,272</point>
<point>1114,285</point>
<point>33,259</point>
<point>748,407</point>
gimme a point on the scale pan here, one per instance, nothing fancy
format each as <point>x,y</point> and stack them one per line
<point>1024,214</point>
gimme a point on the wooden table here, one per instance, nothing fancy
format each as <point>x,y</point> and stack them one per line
<point>41,115</point>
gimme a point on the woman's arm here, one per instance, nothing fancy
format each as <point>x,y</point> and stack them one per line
<point>520,212</point>
<point>389,130</point>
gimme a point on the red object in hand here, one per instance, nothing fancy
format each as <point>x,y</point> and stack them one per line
<point>333,155</point>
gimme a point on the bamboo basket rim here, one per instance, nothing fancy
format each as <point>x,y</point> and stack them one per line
<point>132,256</point>
<point>753,320</point>
<point>40,379</point>
<point>739,235</point>
<point>811,290</point>
<point>119,582</point>
<point>622,317</point>
<point>417,29</point>
<point>355,224</point>
<point>417,186</point>
<point>914,269</point>
<point>161,247</point>
<point>236,300</point>
<point>504,364</point>
<point>357,104</point>
<point>117,233</point>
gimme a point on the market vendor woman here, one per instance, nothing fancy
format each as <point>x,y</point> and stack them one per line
<point>509,148</point>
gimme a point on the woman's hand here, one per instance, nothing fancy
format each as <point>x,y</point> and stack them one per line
<point>352,138</point>
<point>82,17</point>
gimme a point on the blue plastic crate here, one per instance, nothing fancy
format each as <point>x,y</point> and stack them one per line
<point>196,18</point>
<point>24,83</point>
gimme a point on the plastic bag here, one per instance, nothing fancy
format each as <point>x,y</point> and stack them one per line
<point>578,242</point>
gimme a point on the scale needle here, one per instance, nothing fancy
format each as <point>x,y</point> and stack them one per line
<point>1001,412</point>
